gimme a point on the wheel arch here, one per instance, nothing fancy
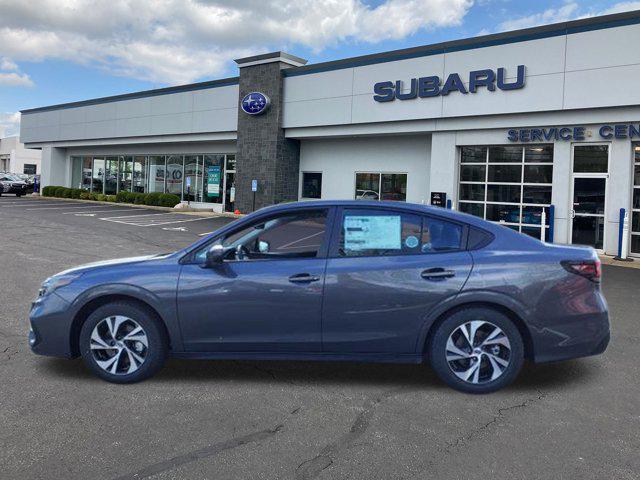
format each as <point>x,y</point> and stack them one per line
<point>96,302</point>
<point>509,311</point>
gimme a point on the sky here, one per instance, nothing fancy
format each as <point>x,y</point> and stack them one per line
<point>57,51</point>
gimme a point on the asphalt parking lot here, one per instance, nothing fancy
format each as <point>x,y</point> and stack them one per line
<point>280,420</point>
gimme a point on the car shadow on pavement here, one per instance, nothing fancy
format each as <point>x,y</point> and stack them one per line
<point>532,377</point>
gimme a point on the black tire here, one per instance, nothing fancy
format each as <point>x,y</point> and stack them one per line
<point>155,353</point>
<point>18,195</point>
<point>438,350</point>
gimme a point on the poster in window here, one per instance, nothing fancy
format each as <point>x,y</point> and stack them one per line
<point>213,181</point>
<point>372,232</point>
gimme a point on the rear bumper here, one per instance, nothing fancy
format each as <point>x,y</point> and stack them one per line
<point>582,336</point>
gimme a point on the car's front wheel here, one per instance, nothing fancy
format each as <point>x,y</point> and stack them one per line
<point>122,342</point>
<point>477,350</point>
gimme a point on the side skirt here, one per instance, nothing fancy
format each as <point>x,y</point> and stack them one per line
<point>303,356</point>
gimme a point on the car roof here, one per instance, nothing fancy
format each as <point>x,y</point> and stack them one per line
<point>409,207</point>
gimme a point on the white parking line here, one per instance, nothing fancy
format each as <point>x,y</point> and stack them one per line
<point>178,221</point>
<point>175,229</point>
<point>146,215</point>
<point>148,222</point>
<point>59,208</point>
<point>11,204</point>
<point>103,211</point>
<point>204,234</point>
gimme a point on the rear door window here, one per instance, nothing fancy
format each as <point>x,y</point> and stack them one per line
<point>378,232</point>
<point>440,236</point>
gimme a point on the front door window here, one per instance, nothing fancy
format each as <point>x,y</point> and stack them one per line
<point>298,235</point>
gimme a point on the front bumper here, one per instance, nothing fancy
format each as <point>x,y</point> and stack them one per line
<point>51,321</point>
<point>17,190</point>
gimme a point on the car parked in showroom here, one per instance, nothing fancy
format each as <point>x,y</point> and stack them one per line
<point>12,184</point>
<point>356,280</point>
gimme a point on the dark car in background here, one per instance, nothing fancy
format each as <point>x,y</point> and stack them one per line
<point>12,184</point>
<point>353,280</point>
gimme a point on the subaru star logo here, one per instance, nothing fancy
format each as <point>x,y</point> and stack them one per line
<point>255,103</point>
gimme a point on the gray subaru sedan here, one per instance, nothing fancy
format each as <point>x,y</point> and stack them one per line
<point>362,281</point>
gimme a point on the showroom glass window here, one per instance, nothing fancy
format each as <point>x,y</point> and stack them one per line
<point>311,185</point>
<point>635,215</point>
<point>175,174</point>
<point>139,173</point>
<point>111,176</point>
<point>192,173</point>
<point>507,184</point>
<point>379,232</point>
<point>156,173</point>
<point>381,186</point>
<point>98,175</point>
<point>211,182</point>
<point>126,173</point>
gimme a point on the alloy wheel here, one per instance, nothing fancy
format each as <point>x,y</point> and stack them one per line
<point>119,345</point>
<point>478,352</point>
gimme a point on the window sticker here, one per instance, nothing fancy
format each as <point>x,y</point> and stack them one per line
<point>372,232</point>
<point>411,241</point>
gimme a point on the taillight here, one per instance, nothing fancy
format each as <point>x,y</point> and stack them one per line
<point>588,268</point>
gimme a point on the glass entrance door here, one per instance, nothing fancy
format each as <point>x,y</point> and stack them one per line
<point>588,220</point>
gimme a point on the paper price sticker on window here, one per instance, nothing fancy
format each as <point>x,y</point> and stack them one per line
<point>372,232</point>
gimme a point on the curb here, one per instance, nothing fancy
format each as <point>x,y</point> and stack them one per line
<point>610,260</point>
<point>186,211</point>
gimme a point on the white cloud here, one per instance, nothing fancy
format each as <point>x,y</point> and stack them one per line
<point>6,64</point>
<point>176,41</point>
<point>571,10</point>
<point>621,7</point>
<point>11,76</point>
<point>9,123</point>
<point>551,15</point>
<point>13,79</point>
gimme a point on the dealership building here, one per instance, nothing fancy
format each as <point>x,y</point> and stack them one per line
<point>502,126</point>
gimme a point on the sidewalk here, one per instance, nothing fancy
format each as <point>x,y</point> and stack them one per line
<point>609,260</point>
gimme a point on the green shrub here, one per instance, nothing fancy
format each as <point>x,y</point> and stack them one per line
<point>169,200</point>
<point>124,197</point>
<point>153,198</point>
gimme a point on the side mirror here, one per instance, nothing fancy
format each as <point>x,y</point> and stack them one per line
<point>263,246</point>
<point>215,256</point>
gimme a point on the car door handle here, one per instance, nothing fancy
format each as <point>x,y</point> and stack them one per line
<point>303,278</point>
<point>437,273</point>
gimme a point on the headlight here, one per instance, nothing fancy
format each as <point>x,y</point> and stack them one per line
<point>57,281</point>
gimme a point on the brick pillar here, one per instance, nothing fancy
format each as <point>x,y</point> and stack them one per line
<point>264,154</point>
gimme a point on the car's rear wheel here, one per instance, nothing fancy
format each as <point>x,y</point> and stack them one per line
<point>122,342</point>
<point>477,350</point>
